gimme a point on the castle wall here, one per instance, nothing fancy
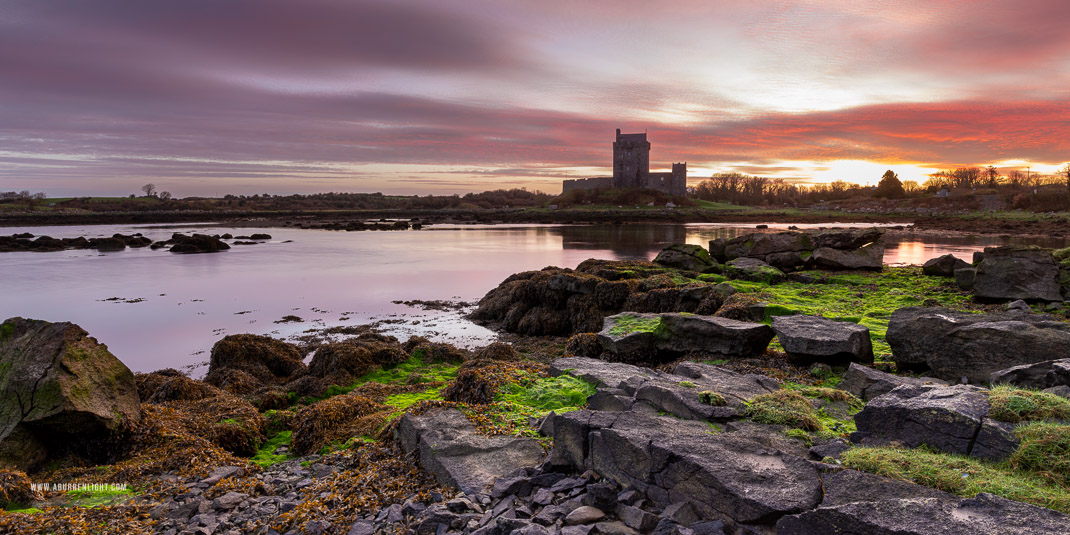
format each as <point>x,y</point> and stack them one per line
<point>587,183</point>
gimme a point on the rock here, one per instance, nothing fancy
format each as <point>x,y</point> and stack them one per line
<point>450,448</point>
<point>260,237</point>
<point>584,514</point>
<point>809,339</point>
<point>948,418</point>
<point>264,358</point>
<point>952,344</point>
<point>849,486</point>
<point>642,335</point>
<point>984,514</point>
<point>944,266</point>
<point>636,518</point>
<point>717,249</point>
<point>229,500</point>
<point>1040,375</point>
<point>361,527</point>
<point>686,257</point>
<point>59,388</point>
<point>869,257</point>
<point>1061,391</point>
<point>1018,306</point>
<point>752,269</point>
<point>1008,273</point>
<point>964,277</point>
<point>719,475</point>
<point>833,449</point>
<point>848,238</point>
<point>867,383</point>
<point>197,243</point>
<point>759,245</point>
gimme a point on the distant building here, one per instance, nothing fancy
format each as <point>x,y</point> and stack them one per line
<point>631,169</point>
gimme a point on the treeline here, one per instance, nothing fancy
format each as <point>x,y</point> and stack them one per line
<point>497,199</point>
<point>24,195</point>
<point>738,188</point>
<point>991,177</point>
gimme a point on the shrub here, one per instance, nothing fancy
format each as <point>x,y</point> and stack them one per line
<point>783,407</point>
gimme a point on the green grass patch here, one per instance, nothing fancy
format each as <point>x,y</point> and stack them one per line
<point>710,397</point>
<point>265,456</point>
<point>404,401</point>
<point>412,371</point>
<point>817,411</point>
<point>867,298</point>
<point>1014,404</point>
<point>94,498</point>
<point>1045,451</point>
<point>958,475</point>
<point>783,407</point>
<point>562,393</point>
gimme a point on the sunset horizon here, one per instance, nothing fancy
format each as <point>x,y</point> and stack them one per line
<point>416,98</point>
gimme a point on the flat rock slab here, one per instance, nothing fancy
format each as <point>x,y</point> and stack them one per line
<point>809,339</point>
<point>451,449</point>
<point>1040,375</point>
<point>949,418</point>
<point>1009,273</point>
<point>951,345</point>
<point>869,257</point>
<point>722,475</point>
<point>646,335</point>
<point>868,383</point>
<point>984,515</point>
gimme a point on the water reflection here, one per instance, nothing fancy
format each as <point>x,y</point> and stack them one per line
<point>187,302</point>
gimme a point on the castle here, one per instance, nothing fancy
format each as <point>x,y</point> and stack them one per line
<point>631,169</point>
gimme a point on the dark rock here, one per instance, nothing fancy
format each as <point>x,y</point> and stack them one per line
<point>848,238</point>
<point>809,339</point>
<point>1061,391</point>
<point>833,448</point>
<point>451,449</point>
<point>108,244</point>
<point>752,269</point>
<point>985,514</point>
<point>1008,273</point>
<point>759,245</point>
<point>849,486</point>
<point>944,266</point>
<point>197,243</point>
<point>686,257</point>
<point>636,518</point>
<point>1039,375</point>
<point>519,486</point>
<point>958,344</point>
<point>869,257</point>
<point>57,383</point>
<point>948,418</point>
<point>964,277</point>
<point>867,383</point>
<point>643,334</point>
<point>1018,306</point>
<point>260,237</point>
<point>717,249</point>
<point>361,527</point>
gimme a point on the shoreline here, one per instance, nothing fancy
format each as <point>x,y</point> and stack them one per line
<point>1038,225</point>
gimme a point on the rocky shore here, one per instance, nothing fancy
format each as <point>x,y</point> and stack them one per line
<point>773,383</point>
<point>177,243</point>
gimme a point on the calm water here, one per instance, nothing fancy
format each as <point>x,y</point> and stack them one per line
<point>172,308</point>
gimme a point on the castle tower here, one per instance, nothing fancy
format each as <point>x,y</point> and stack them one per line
<point>631,160</point>
<point>678,183</point>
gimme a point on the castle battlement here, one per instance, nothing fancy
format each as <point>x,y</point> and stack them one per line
<point>631,169</point>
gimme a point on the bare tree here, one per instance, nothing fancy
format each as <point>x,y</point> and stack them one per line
<point>149,189</point>
<point>1065,171</point>
<point>165,195</point>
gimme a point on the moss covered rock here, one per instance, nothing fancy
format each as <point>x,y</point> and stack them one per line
<point>59,386</point>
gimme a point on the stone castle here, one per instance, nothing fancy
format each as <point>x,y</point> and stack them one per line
<point>631,169</point>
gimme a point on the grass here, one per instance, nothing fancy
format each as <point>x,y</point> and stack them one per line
<point>959,475</point>
<point>720,206</point>
<point>413,371</point>
<point>710,397</point>
<point>1014,404</point>
<point>866,298</point>
<point>805,410</point>
<point>94,498</point>
<point>265,456</point>
<point>1045,451</point>
<point>783,407</point>
<point>564,392</point>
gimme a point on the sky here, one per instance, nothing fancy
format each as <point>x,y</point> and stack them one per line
<point>208,97</point>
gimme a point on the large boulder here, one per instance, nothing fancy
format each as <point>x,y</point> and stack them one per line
<point>451,449</point>
<point>59,388</point>
<point>809,339</point>
<point>944,266</point>
<point>752,269</point>
<point>869,257</point>
<point>654,337</point>
<point>758,245</point>
<point>951,345</point>
<point>685,256</point>
<point>724,476</point>
<point>953,419</point>
<point>1040,375</point>
<point>984,514</point>
<point>867,383</point>
<point>1009,273</point>
<point>264,358</point>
